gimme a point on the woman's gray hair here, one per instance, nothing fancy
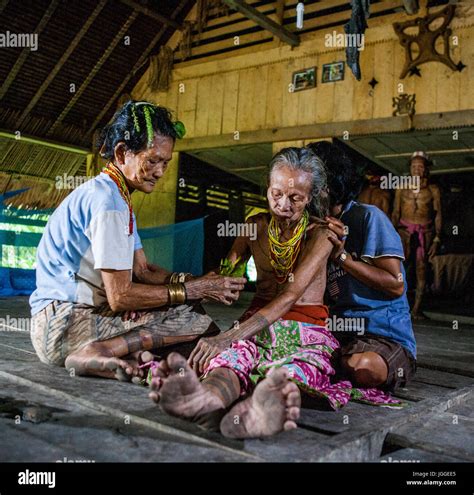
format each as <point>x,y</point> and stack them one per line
<point>305,160</point>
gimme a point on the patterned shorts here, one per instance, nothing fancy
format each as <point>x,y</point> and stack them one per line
<point>62,328</point>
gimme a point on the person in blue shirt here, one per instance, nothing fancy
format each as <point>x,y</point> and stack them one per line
<point>366,283</point>
<point>98,303</point>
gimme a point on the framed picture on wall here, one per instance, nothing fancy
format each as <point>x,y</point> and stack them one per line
<point>304,79</point>
<point>333,72</point>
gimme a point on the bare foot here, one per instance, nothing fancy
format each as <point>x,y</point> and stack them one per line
<point>419,316</point>
<point>273,407</point>
<point>91,361</point>
<point>179,392</point>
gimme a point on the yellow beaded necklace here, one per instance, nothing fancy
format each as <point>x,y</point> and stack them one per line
<point>284,254</point>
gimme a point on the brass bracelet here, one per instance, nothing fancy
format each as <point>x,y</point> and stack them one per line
<point>177,293</point>
<point>174,278</point>
<point>179,278</point>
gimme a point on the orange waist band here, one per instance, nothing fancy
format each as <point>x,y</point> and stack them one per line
<point>316,314</point>
<point>313,313</point>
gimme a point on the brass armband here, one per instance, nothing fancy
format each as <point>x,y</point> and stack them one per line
<point>177,293</point>
<point>179,278</point>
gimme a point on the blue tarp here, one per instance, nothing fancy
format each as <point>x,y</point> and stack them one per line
<point>178,247</point>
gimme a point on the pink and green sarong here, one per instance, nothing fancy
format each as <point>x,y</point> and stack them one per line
<point>305,350</point>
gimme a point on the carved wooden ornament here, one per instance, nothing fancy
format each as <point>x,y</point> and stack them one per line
<point>426,40</point>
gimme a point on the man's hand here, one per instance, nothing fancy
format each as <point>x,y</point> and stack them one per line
<point>339,242</point>
<point>206,349</point>
<point>216,287</point>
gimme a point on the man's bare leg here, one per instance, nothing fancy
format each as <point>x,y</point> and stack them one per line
<point>273,407</point>
<point>420,288</point>
<point>116,357</point>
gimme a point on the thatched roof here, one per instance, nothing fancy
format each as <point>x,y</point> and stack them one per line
<point>101,47</point>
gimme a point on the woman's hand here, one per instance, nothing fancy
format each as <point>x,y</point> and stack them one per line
<point>215,287</point>
<point>206,349</point>
<point>132,315</point>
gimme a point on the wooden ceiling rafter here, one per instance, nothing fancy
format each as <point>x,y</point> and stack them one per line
<point>85,84</point>
<point>263,21</point>
<point>72,46</point>
<point>152,14</point>
<point>137,66</point>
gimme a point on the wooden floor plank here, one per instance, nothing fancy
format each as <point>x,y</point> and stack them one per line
<point>445,433</point>
<point>352,416</point>
<point>355,433</point>
<point>441,378</point>
<point>416,391</point>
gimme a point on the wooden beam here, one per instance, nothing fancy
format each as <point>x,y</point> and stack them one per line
<point>42,142</point>
<point>280,11</point>
<point>296,133</point>
<point>118,37</point>
<point>61,62</point>
<point>263,21</point>
<point>364,152</point>
<point>152,14</point>
<point>137,66</point>
<point>455,119</point>
<point>26,51</point>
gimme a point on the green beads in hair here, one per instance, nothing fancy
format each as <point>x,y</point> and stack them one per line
<point>147,111</point>
<point>179,129</point>
<point>136,124</point>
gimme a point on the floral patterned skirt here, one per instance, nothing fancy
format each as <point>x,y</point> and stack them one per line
<point>305,350</point>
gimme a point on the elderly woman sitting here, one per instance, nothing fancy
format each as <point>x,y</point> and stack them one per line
<point>92,273</point>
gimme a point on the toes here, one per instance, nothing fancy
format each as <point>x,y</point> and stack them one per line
<point>162,369</point>
<point>156,383</point>
<point>293,398</point>
<point>146,357</point>
<point>293,413</point>
<point>289,425</point>
<point>288,388</point>
<point>278,376</point>
<point>154,396</point>
<point>177,363</point>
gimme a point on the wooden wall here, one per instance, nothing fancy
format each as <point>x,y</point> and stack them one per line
<point>250,91</point>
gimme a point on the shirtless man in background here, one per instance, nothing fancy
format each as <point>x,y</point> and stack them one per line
<point>415,211</point>
<point>372,194</point>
